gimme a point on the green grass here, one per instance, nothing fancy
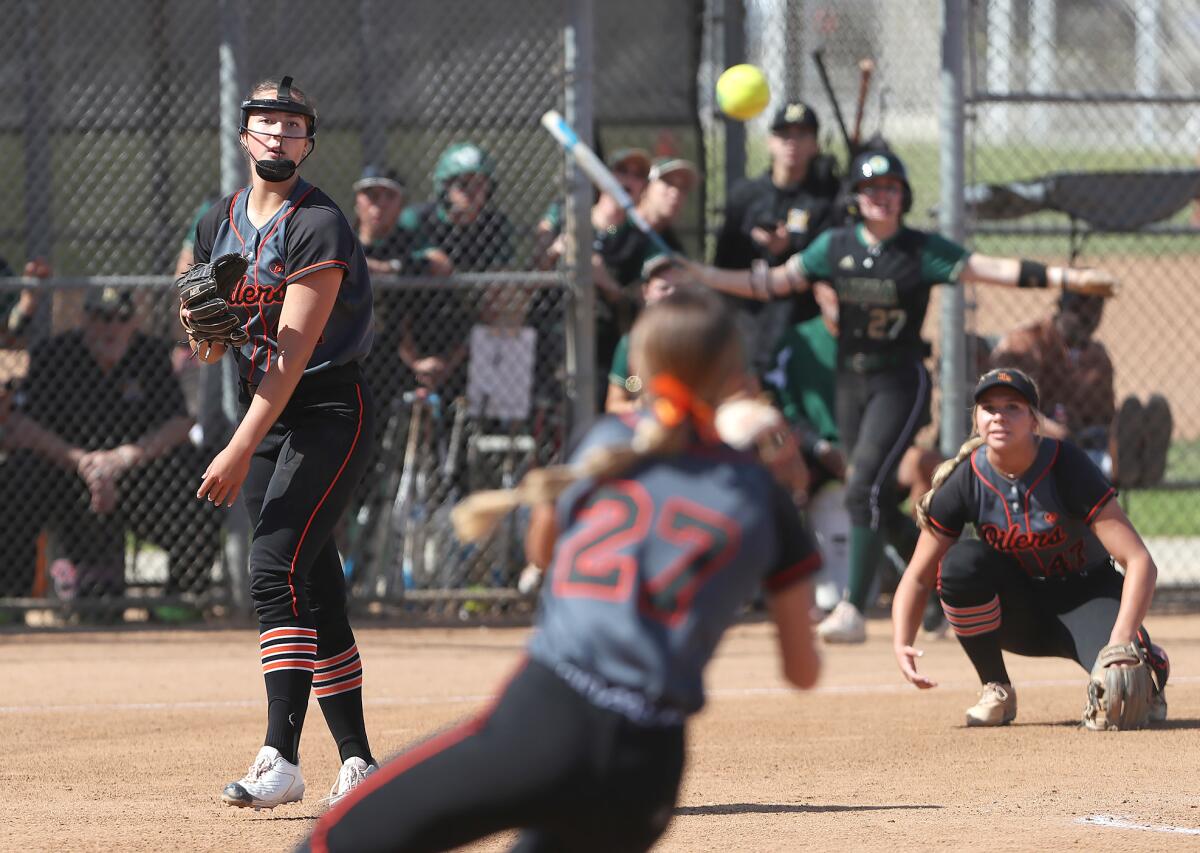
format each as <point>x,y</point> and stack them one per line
<point>1003,163</point>
<point>1163,513</point>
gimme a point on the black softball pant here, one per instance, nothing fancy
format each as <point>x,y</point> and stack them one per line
<point>878,416</point>
<point>1069,617</point>
<point>576,777</point>
<point>301,479</point>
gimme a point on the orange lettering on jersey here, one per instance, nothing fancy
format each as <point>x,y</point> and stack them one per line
<point>255,294</point>
<point>1013,539</point>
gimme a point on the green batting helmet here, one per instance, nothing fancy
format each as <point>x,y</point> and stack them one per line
<point>879,164</point>
<point>462,158</point>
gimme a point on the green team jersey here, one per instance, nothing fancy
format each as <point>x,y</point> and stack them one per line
<point>618,374</point>
<point>883,289</point>
<point>804,376</point>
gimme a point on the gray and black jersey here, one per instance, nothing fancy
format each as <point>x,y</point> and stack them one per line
<point>1042,519</point>
<point>651,567</point>
<point>307,234</point>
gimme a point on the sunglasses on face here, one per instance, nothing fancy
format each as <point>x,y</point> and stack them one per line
<point>631,172</point>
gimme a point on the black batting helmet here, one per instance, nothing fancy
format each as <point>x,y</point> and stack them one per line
<point>877,164</point>
<point>282,102</point>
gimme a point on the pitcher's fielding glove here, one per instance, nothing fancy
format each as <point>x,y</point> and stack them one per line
<point>204,290</point>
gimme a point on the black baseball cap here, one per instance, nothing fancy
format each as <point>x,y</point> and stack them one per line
<point>1008,377</point>
<point>796,113</point>
<point>112,303</point>
<point>379,176</point>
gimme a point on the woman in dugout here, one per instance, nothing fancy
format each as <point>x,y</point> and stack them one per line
<point>1040,580</point>
<point>660,535</point>
<point>882,272</point>
<point>304,437</point>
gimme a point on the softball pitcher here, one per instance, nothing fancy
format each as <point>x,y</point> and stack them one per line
<point>1040,578</point>
<point>882,272</point>
<point>650,555</point>
<point>304,436</point>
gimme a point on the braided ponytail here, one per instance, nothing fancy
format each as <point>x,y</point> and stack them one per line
<point>688,345</point>
<point>941,474</point>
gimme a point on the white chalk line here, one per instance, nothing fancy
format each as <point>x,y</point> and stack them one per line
<point>475,698</point>
<point>1108,821</point>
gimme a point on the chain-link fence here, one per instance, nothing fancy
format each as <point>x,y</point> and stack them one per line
<point>1083,142</point>
<point>119,126</point>
<point>1079,147</point>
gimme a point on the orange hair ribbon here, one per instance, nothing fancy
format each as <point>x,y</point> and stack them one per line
<point>673,401</point>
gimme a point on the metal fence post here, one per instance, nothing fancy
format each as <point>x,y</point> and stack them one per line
<point>579,50</point>
<point>733,35</point>
<point>951,224</point>
<point>219,384</point>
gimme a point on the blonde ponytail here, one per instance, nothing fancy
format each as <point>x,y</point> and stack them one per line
<point>478,514</point>
<point>941,474</point>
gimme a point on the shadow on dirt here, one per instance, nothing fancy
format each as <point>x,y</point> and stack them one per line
<point>789,808</point>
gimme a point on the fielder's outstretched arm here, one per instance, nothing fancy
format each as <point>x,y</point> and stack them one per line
<point>760,282</point>
<point>908,602</point>
<point>1017,272</point>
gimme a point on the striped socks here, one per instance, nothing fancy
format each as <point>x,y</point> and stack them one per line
<point>288,654</point>
<point>978,629</point>
<point>298,660</point>
<point>975,620</point>
<point>337,682</point>
<point>337,674</point>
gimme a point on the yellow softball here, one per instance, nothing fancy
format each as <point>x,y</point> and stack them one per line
<point>742,92</point>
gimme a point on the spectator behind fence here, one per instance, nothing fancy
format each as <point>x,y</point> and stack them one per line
<point>460,230</point>
<point>774,216</point>
<point>615,306</point>
<point>17,307</point>
<point>1075,376</point>
<point>379,196</point>
<point>660,278</point>
<point>98,446</point>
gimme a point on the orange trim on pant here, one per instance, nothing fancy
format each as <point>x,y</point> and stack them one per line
<point>321,502</point>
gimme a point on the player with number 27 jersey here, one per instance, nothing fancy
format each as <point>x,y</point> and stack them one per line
<point>651,569</point>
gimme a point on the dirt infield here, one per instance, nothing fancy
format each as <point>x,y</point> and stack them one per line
<point>122,741</point>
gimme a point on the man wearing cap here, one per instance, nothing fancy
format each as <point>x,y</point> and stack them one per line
<point>379,196</point>
<point>378,201</point>
<point>660,277</point>
<point>459,230</point>
<point>615,306</point>
<point>99,444</point>
<point>772,217</point>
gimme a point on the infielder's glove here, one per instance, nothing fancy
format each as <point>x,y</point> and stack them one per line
<point>204,290</point>
<point>1121,690</point>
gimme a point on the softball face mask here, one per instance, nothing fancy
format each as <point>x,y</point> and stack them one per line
<point>277,171</point>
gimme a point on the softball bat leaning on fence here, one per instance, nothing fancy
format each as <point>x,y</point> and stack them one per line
<point>599,174</point>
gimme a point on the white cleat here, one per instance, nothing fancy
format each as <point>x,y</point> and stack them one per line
<point>354,771</point>
<point>997,706</point>
<point>843,625</point>
<point>271,781</point>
